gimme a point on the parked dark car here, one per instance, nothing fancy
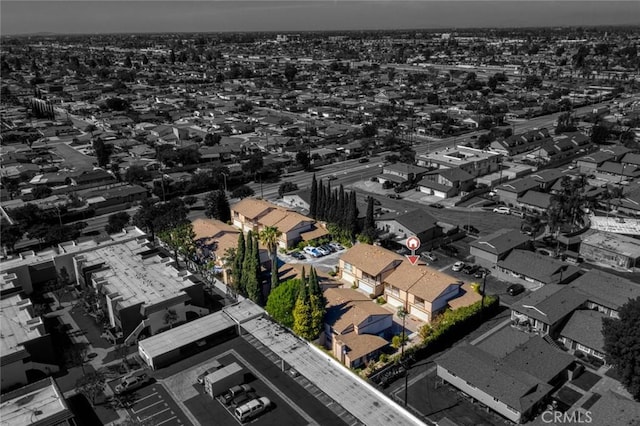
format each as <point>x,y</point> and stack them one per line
<point>436,206</point>
<point>481,272</point>
<point>363,160</point>
<point>448,249</point>
<point>471,269</point>
<point>298,255</point>
<point>515,289</point>
<point>394,196</point>
<point>471,229</point>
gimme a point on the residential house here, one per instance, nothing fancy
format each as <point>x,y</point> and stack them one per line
<point>545,310</point>
<point>356,328</point>
<point>476,162</point>
<point>417,223</point>
<point>534,269</point>
<point>401,173</point>
<point>492,248</point>
<point>423,291</point>
<point>517,144</point>
<point>606,292</point>
<point>93,178</point>
<point>619,171</point>
<point>114,198</point>
<point>508,193</point>
<point>583,332</point>
<point>300,199</point>
<point>24,343</point>
<point>366,267</point>
<point>535,202</point>
<point>588,164</point>
<point>513,393</point>
<point>611,249</point>
<point>446,183</point>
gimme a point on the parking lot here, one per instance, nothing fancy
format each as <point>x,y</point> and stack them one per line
<point>152,403</point>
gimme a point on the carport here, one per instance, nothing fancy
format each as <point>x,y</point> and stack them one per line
<point>180,342</point>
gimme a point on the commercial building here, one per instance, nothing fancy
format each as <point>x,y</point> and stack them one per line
<point>38,404</point>
<point>611,249</point>
<point>24,343</point>
<point>141,291</point>
<point>473,161</point>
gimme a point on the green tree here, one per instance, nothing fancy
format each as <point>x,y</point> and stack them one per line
<point>282,300</point>
<point>286,187</point>
<point>117,222</point>
<point>41,191</point>
<point>170,317</point>
<point>181,240</point>
<point>302,315</point>
<point>136,175</point>
<point>92,385</point>
<point>269,237</point>
<point>103,152</point>
<point>599,134</point>
<point>250,269</point>
<point>10,235</point>
<point>369,230</point>
<point>242,192</point>
<point>237,269</point>
<point>212,139</point>
<point>313,202</point>
<point>622,345</point>
<point>216,205</point>
<point>302,158</point>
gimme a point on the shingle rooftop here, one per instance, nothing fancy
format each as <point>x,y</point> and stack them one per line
<point>539,358</point>
<point>606,289</point>
<point>537,266</point>
<point>550,303</point>
<point>500,241</point>
<point>370,259</point>
<point>517,389</point>
<point>585,327</point>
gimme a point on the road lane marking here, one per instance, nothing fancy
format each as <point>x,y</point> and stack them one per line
<point>145,397</point>
<point>148,406</point>
<point>169,419</point>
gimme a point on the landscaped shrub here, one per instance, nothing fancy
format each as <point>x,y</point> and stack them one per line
<point>380,300</point>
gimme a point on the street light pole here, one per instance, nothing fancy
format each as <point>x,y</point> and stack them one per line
<point>402,313</point>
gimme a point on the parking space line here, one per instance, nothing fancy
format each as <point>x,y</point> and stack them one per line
<point>148,406</point>
<point>169,419</point>
<point>145,397</point>
<point>153,415</point>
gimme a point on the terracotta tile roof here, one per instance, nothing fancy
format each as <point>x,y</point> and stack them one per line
<point>347,309</point>
<point>370,259</point>
<point>422,281</point>
<point>314,233</point>
<point>284,220</point>
<point>252,208</point>
<point>208,228</point>
<point>360,345</point>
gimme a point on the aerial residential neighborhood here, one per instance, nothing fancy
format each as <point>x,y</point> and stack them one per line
<point>434,226</point>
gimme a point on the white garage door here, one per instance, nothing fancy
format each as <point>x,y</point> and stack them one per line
<point>393,301</point>
<point>419,314</point>
<point>366,288</point>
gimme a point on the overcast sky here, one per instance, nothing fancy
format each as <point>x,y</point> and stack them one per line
<point>97,16</point>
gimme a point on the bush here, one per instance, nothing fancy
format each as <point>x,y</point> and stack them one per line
<point>381,300</point>
<point>383,358</point>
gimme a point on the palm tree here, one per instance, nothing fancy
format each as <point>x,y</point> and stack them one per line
<point>269,237</point>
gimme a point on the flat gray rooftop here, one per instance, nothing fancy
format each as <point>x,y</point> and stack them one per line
<point>185,334</point>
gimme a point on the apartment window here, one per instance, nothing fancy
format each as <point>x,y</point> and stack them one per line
<point>418,300</point>
<point>583,348</point>
<point>348,267</point>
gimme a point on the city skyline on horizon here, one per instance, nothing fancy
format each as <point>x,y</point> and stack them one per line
<point>97,17</point>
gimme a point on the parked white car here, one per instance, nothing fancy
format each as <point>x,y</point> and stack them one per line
<point>458,266</point>
<point>312,251</point>
<point>502,210</point>
<point>323,251</point>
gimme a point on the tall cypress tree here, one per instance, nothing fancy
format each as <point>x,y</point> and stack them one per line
<point>353,215</point>
<point>238,263</point>
<point>314,286</point>
<point>340,207</point>
<point>369,221</point>
<point>313,202</point>
<point>247,264</point>
<point>320,207</point>
<point>303,277</point>
<point>256,271</point>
